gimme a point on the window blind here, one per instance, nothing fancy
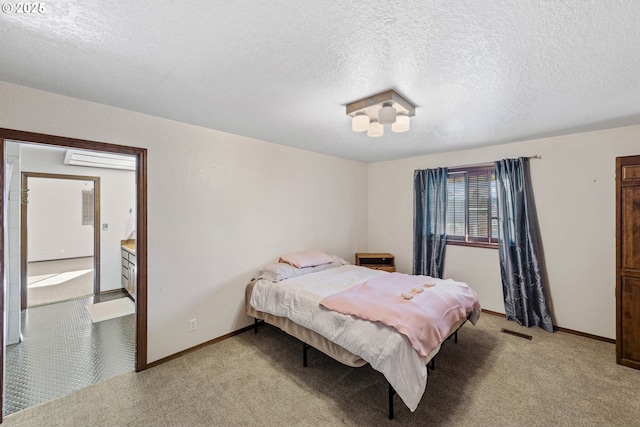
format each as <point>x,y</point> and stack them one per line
<point>472,205</point>
<point>87,207</point>
<point>456,204</point>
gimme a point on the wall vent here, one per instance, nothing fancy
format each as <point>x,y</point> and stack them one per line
<point>517,334</point>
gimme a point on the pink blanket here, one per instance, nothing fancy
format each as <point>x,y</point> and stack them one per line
<point>420,307</point>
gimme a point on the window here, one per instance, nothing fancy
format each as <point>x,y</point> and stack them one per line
<point>87,207</point>
<point>472,208</point>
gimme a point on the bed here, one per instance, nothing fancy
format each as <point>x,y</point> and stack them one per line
<point>289,297</point>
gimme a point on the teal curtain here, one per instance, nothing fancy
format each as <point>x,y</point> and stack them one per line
<point>521,264</point>
<point>430,221</point>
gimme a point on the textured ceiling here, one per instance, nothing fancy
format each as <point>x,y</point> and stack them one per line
<point>481,72</point>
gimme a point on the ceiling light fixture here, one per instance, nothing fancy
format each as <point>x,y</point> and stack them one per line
<point>386,108</point>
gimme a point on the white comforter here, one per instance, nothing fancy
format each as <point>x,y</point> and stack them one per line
<point>381,346</point>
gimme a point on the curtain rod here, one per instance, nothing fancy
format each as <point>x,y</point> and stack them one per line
<point>536,156</point>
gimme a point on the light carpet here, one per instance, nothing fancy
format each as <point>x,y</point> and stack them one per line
<point>110,309</point>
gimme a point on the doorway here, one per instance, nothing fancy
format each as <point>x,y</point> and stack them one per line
<point>140,155</point>
<point>59,237</point>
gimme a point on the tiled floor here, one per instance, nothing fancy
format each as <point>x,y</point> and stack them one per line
<point>62,351</point>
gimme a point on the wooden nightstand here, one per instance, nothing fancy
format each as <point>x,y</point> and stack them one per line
<point>377,261</point>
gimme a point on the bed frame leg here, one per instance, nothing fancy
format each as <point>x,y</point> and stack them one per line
<point>432,364</point>
<point>256,323</point>
<point>305,347</point>
<point>455,337</point>
<point>392,392</point>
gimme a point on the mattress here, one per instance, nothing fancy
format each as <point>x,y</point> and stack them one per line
<point>308,336</point>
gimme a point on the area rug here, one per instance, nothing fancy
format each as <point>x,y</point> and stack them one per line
<point>110,309</point>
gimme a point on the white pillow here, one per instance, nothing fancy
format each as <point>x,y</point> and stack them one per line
<point>337,261</point>
<point>306,259</point>
<point>276,272</point>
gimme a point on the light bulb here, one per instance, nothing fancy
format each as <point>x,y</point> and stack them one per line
<point>360,122</point>
<point>375,129</point>
<point>387,114</point>
<point>402,123</point>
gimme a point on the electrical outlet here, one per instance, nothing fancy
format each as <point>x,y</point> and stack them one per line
<point>193,325</point>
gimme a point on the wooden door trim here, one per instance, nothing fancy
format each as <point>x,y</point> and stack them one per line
<point>141,227</point>
<point>24,241</point>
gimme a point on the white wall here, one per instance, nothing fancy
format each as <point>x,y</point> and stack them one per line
<point>574,191</point>
<point>220,206</point>
<point>117,196</point>
<point>55,220</point>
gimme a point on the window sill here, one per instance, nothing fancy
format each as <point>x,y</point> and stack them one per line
<point>473,244</point>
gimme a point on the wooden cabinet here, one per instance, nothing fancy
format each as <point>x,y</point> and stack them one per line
<point>628,261</point>
<point>128,256</point>
<point>376,261</point>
